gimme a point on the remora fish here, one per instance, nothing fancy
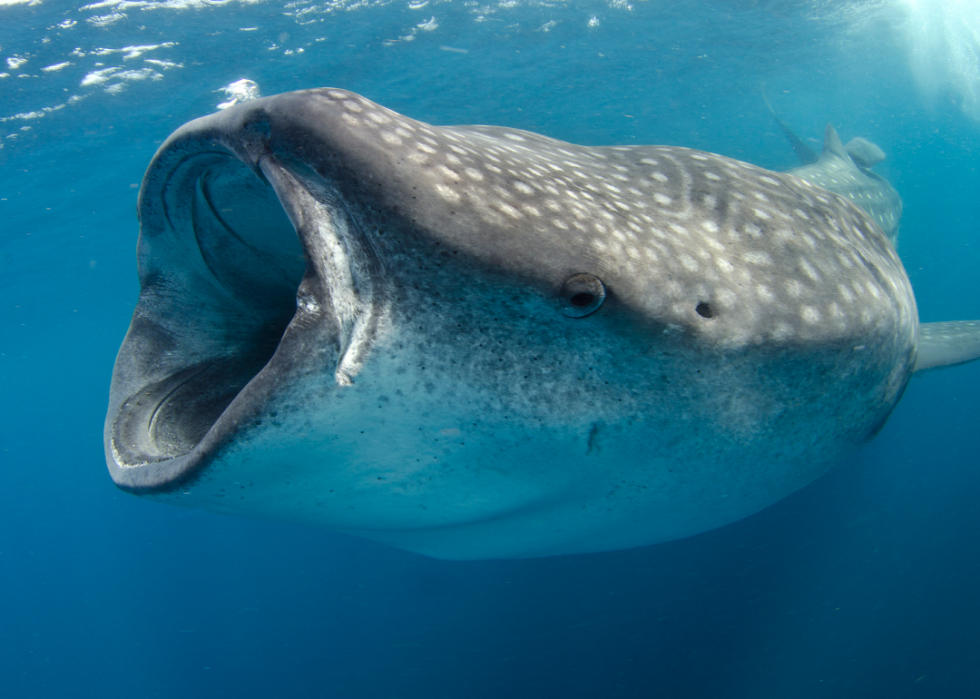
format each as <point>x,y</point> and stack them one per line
<point>846,170</point>
<point>478,342</point>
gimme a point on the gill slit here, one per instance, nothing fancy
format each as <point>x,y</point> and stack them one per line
<point>345,261</point>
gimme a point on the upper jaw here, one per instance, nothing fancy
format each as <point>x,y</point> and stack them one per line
<point>344,274</point>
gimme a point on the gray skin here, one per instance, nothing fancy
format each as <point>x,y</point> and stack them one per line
<point>478,342</point>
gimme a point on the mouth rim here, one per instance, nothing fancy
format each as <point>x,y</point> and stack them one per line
<point>339,297</point>
<point>189,374</point>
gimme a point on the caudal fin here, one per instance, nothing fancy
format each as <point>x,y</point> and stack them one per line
<point>802,150</point>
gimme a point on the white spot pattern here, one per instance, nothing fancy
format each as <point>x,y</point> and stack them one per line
<point>797,262</point>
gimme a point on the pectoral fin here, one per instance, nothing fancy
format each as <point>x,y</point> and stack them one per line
<point>947,344</point>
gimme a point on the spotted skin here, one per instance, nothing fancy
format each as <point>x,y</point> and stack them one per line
<point>478,342</point>
<point>766,249</point>
<point>845,170</point>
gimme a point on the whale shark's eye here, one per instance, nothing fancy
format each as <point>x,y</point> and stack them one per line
<point>581,294</point>
<point>705,310</point>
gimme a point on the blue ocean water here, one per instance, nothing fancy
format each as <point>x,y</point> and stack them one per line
<point>860,585</point>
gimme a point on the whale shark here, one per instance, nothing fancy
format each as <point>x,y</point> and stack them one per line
<point>846,170</point>
<point>478,342</point>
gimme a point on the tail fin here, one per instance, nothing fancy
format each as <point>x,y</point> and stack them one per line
<point>803,151</point>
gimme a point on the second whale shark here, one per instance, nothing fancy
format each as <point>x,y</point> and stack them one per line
<point>846,170</point>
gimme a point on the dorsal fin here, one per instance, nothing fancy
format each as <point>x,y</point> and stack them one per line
<point>947,344</point>
<point>832,146</point>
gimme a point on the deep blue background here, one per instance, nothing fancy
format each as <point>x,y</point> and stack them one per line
<point>861,585</point>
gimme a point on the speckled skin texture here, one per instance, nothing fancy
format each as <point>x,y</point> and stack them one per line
<point>845,170</point>
<point>410,364</point>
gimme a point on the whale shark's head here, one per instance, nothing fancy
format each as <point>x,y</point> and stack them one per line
<point>479,342</point>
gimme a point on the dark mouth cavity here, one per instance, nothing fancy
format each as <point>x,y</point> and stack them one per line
<point>228,321</point>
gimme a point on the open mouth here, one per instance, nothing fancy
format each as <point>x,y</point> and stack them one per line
<point>220,265</point>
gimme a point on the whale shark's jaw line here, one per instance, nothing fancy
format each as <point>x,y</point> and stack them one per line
<point>232,255</point>
<point>478,342</point>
